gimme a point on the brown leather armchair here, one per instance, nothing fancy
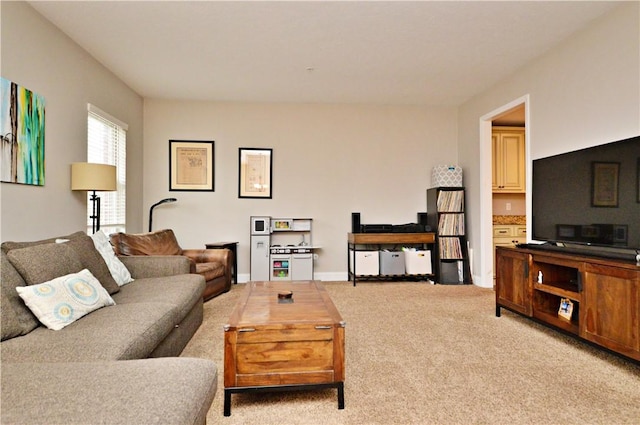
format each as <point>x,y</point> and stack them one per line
<point>214,264</point>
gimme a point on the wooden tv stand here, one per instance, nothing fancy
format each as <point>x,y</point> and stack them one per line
<point>605,294</point>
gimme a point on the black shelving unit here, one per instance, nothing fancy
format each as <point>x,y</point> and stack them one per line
<point>446,214</point>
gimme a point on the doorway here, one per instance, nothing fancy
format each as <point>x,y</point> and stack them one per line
<point>515,113</point>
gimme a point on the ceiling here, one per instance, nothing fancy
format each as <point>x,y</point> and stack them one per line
<point>375,52</point>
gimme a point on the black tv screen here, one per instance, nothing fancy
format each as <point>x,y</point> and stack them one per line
<point>589,196</point>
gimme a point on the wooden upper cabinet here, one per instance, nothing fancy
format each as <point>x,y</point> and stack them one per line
<point>508,160</point>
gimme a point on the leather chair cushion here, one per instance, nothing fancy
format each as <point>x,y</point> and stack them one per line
<point>162,242</point>
<point>210,271</point>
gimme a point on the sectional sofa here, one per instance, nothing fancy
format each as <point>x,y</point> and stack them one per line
<point>116,364</point>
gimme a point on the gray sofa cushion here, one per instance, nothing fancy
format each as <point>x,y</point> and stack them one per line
<point>85,251</point>
<point>119,332</point>
<point>17,319</point>
<point>158,391</point>
<point>156,266</point>
<point>42,263</point>
<point>182,292</point>
<point>9,245</point>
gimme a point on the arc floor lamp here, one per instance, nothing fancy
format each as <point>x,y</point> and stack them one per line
<point>163,201</point>
<point>94,178</point>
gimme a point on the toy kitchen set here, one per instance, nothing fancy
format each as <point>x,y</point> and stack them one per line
<point>281,249</point>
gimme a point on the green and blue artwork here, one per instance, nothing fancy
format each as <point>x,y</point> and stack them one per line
<point>21,134</point>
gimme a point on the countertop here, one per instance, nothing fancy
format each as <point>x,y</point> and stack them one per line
<point>510,219</point>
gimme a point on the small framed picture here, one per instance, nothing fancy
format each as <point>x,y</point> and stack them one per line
<point>566,309</point>
<point>604,184</point>
<point>254,173</point>
<point>191,165</point>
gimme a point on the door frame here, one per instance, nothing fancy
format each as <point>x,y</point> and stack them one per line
<point>485,278</point>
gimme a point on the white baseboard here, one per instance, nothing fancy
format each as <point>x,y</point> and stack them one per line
<point>327,276</point>
<point>482,283</point>
<point>343,276</point>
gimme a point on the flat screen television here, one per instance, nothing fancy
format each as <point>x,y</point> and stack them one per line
<point>589,199</point>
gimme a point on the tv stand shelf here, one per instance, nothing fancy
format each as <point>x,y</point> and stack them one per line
<point>561,289</point>
<point>604,294</point>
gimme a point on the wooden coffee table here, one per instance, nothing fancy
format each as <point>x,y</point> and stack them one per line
<point>283,344</point>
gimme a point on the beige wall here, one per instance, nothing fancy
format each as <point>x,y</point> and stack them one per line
<point>584,92</point>
<point>328,161</point>
<point>36,55</point>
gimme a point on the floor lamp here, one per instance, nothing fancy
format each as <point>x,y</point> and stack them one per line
<point>95,178</point>
<point>164,201</point>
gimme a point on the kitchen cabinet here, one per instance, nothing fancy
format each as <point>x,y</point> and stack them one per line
<point>508,160</point>
<point>507,235</point>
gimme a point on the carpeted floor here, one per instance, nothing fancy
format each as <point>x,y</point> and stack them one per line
<point>436,354</point>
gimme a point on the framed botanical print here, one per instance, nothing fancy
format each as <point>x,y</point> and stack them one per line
<point>191,165</point>
<point>255,173</point>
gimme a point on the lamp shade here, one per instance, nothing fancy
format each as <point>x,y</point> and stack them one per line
<point>89,176</point>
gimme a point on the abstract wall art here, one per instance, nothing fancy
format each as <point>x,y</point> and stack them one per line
<point>21,134</point>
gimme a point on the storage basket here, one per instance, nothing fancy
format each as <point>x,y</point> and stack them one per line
<point>366,263</point>
<point>417,262</point>
<point>446,176</point>
<point>392,263</point>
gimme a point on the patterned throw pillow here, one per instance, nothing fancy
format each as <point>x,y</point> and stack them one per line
<point>65,299</point>
<point>92,261</point>
<point>118,270</point>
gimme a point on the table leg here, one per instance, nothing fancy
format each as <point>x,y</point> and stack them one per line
<point>227,403</point>
<point>340,395</point>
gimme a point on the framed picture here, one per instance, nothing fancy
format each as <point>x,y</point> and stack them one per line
<point>604,184</point>
<point>566,309</point>
<point>191,165</point>
<point>254,173</point>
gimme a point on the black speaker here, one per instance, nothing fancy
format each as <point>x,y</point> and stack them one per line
<point>422,218</point>
<point>355,222</point>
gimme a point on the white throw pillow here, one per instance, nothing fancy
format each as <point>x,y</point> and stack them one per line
<point>63,300</point>
<point>118,270</point>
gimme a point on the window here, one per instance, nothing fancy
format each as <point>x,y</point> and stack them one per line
<point>107,144</point>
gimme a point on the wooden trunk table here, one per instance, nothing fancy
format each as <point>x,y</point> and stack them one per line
<point>273,343</point>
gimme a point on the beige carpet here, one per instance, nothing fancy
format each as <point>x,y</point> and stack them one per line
<point>436,354</point>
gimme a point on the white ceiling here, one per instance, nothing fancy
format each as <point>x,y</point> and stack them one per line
<point>383,52</point>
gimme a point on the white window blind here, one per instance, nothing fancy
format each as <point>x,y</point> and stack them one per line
<point>107,144</point>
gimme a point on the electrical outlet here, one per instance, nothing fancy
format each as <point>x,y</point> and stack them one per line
<point>508,206</point>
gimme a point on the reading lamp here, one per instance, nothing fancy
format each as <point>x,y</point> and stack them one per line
<point>164,201</point>
<point>96,178</point>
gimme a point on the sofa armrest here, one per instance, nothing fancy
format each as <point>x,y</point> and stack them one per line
<point>224,256</point>
<point>141,266</point>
